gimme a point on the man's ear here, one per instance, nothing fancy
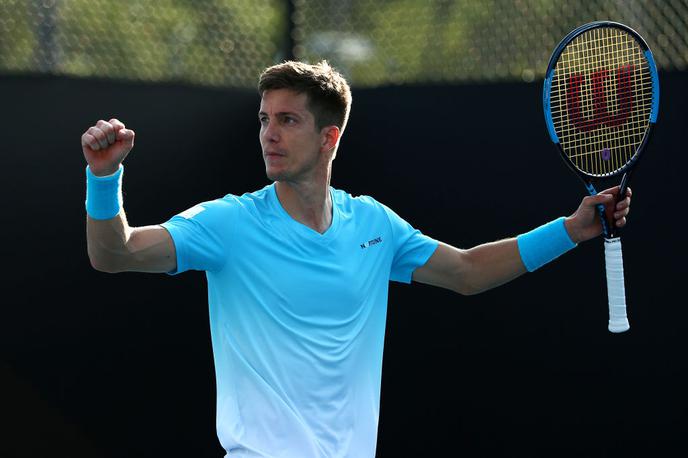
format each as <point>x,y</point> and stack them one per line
<point>330,137</point>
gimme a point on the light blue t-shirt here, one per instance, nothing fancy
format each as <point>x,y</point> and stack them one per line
<point>297,318</point>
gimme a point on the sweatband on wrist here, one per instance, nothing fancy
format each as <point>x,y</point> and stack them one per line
<point>103,194</point>
<point>544,244</point>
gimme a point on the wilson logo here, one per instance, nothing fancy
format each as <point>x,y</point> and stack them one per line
<point>370,243</point>
<point>600,113</point>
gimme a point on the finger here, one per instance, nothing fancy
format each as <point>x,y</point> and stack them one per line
<point>623,203</point>
<point>117,124</point>
<point>621,213</point>
<point>108,130</point>
<point>620,222</point>
<point>613,191</point>
<point>90,141</point>
<point>597,199</point>
<point>99,135</point>
<point>126,136</point>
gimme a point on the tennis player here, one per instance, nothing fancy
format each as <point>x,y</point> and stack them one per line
<point>298,272</point>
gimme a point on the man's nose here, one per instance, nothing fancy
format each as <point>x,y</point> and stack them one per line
<point>271,133</point>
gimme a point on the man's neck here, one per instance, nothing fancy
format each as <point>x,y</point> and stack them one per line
<point>309,203</point>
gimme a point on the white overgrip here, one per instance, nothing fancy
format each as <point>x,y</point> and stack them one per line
<point>618,321</point>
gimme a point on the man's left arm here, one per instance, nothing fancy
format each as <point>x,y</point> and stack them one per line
<point>471,271</point>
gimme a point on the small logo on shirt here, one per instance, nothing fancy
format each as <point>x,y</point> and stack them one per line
<point>370,243</point>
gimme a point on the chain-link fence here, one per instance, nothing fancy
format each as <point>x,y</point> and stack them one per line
<point>373,42</point>
<point>209,42</point>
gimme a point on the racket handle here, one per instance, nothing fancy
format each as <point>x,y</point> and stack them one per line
<point>618,321</point>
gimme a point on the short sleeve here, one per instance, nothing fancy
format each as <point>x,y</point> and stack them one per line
<point>412,249</point>
<point>198,235</point>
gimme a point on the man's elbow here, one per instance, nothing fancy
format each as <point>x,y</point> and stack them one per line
<point>463,281</point>
<point>103,267</point>
<point>467,282</point>
<point>103,263</point>
<point>467,290</point>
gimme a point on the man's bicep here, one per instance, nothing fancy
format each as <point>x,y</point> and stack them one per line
<point>151,249</point>
<point>444,268</point>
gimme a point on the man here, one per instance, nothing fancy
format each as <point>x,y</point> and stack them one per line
<point>298,272</point>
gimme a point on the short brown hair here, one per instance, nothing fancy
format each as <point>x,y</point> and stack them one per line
<point>329,95</point>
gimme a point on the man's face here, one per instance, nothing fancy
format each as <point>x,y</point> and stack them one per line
<point>290,141</point>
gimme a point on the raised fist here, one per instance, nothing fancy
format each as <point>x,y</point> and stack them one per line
<point>105,146</point>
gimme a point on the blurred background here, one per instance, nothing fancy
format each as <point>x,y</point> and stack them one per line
<point>446,128</point>
<point>224,43</point>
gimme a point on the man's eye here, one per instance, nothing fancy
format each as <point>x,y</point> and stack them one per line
<point>289,120</point>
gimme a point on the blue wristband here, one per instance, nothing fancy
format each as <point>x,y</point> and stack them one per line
<point>103,194</point>
<point>544,244</point>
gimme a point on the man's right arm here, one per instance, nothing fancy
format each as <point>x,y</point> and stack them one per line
<point>114,246</point>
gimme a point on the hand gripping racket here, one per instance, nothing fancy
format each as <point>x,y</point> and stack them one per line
<point>601,97</point>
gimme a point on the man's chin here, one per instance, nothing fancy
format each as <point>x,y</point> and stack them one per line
<point>274,175</point>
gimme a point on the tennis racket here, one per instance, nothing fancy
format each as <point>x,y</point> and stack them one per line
<point>601,97</point>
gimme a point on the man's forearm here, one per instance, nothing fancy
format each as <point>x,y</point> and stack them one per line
<point>492,264</point>
<point>107,241</point>
<point>474,270</point>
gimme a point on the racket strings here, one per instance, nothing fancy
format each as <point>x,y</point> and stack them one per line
<point>601,99</point>
<point>585,58</point>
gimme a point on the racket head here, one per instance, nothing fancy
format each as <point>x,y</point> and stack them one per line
<point>601,98</point>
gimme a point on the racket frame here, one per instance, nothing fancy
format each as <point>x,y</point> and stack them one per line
<point>589,180</point>
<point>618,321</point>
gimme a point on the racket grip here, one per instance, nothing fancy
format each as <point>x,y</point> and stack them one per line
<point>618,321</point>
